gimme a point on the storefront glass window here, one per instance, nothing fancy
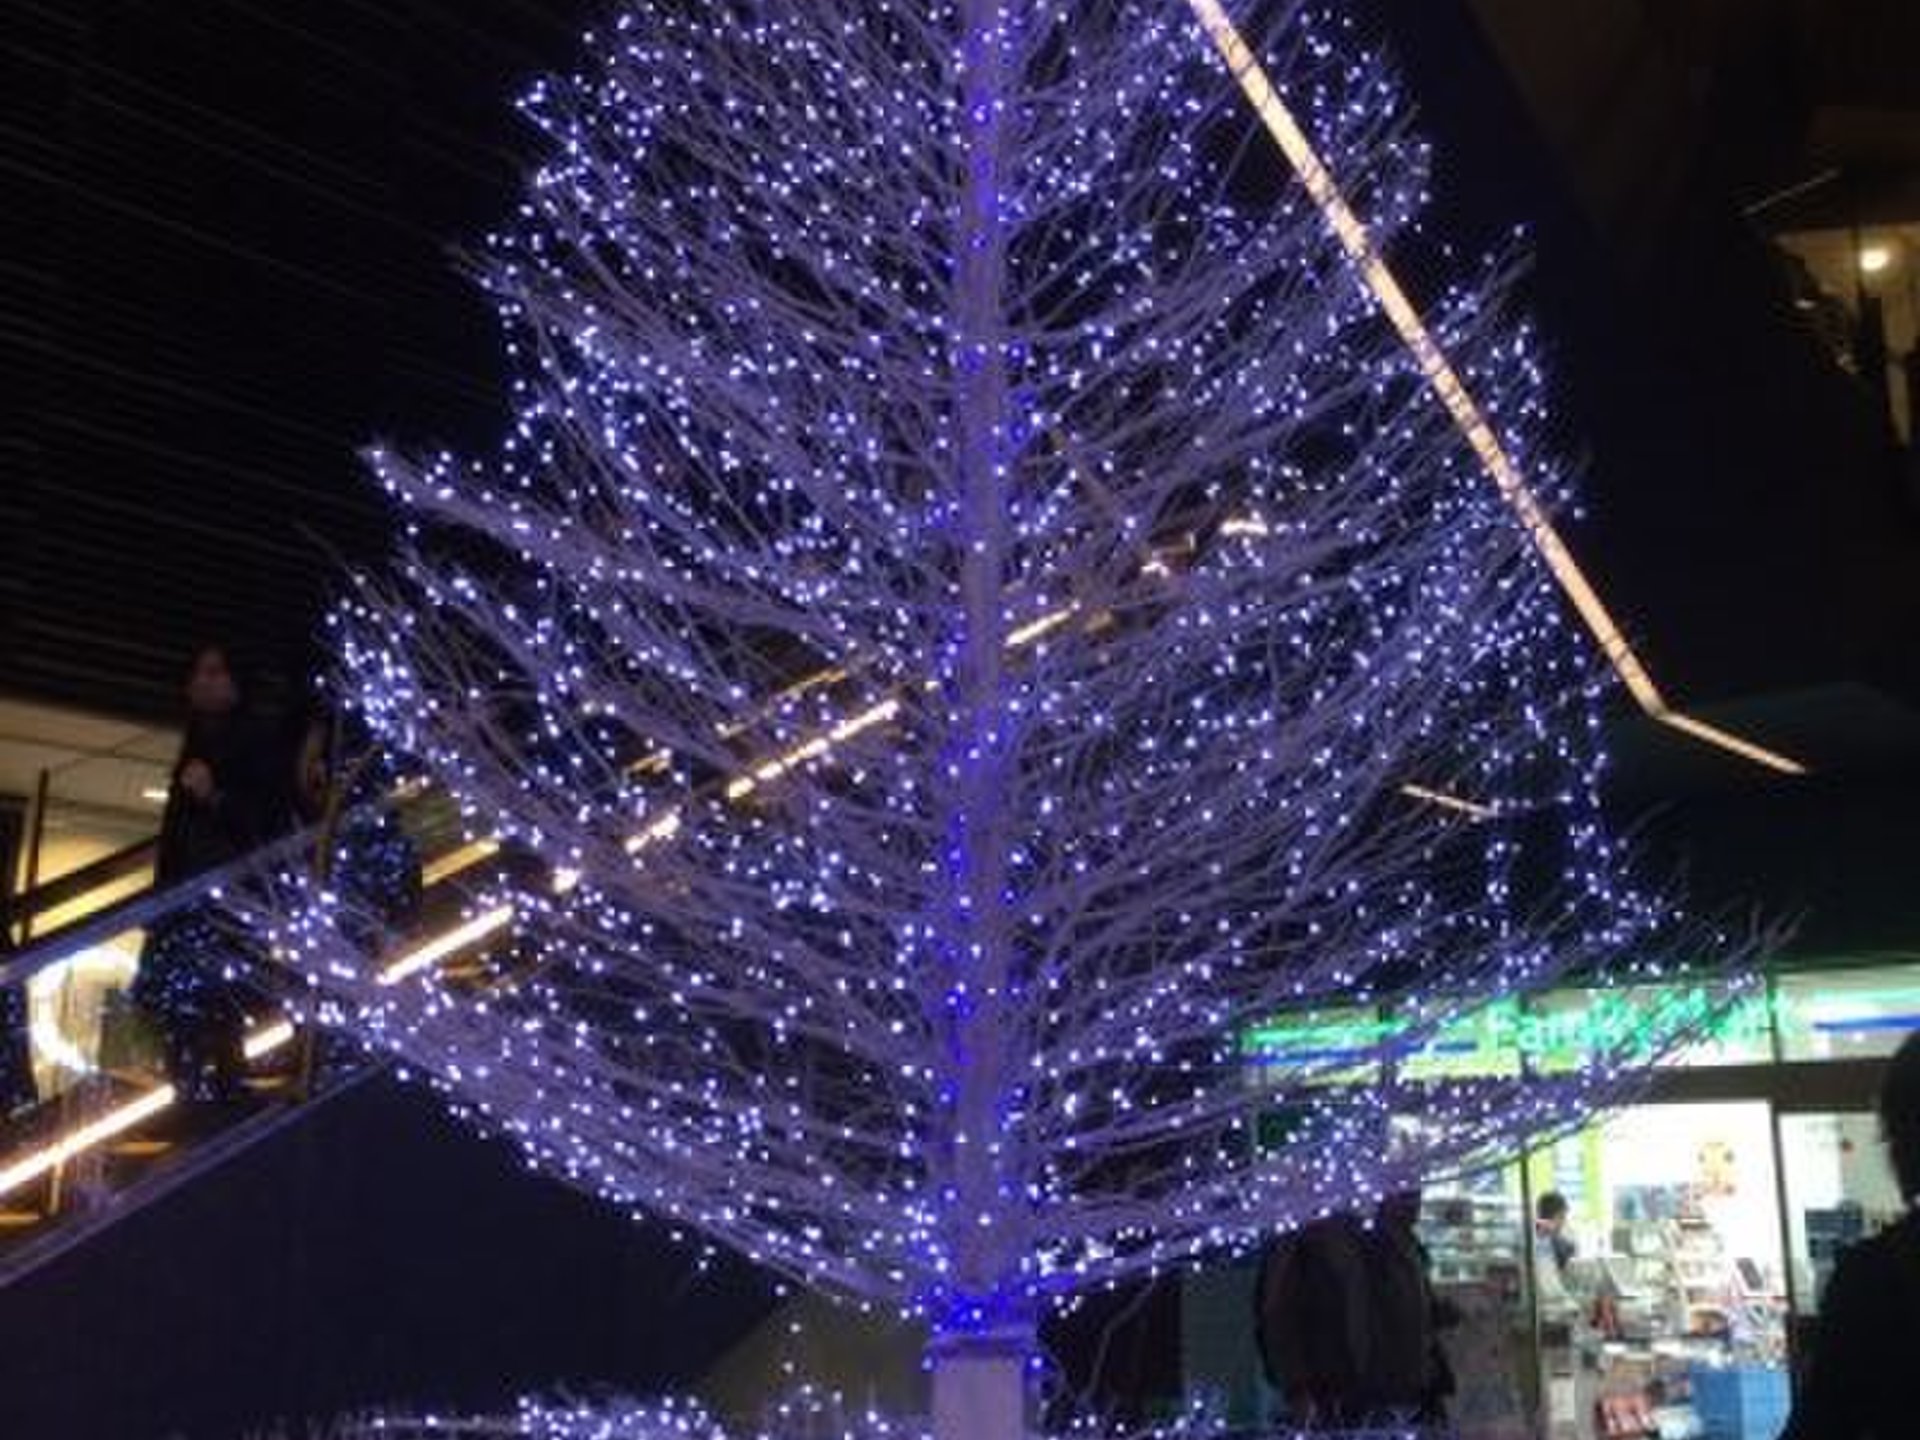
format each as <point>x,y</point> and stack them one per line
<point>1839,1189</point>
<point>1475,1231</point>
<point>1664,1301</point>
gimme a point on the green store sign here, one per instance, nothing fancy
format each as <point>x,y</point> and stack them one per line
<point>1563,1031</point>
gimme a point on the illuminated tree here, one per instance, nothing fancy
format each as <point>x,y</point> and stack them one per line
<point>975,609</point>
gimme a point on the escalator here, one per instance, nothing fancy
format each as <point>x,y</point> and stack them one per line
<point>121,1138</point>
<point>113,1136</point>
<point>333,1242</point>
<point>118,1138</point>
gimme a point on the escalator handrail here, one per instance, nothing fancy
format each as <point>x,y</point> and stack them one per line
<point>153,902</point>
<point>78,1226</point>
<point>61,889</point>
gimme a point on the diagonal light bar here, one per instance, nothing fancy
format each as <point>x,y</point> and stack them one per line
<point>123,1117</point>
<point>469,932</point>
<point>1472,809</point>
<point>264,1040</point>
<point>267,1039</point>
<point>1726,740</point>
<point>78,1141</point>
<point>454,861</point>
<point>1452,392</point>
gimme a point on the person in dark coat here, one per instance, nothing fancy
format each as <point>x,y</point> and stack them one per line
<point>1395,1224</point>
<point>226,797</point>
<point>1311,1321</point>
<point>1861,1383</point>
<point>1348,1324</point>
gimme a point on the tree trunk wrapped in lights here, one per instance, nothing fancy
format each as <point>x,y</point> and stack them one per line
<point>976,609</point>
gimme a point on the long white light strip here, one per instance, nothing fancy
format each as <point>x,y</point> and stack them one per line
<point>1726,740</point>
<point>454,861</point>
<point>468,932</point>
<point>122,1118</point>
<point>1472,809</point>
<point>665,828</point>
<point>771,770</point>
<point>1024,635</point>
<point>1452,392</point>
<point>267,1039</point>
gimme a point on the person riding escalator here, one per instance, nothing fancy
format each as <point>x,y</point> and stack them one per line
<point>227,796</point>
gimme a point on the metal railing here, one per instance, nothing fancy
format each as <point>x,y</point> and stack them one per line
<point>53,1156</point>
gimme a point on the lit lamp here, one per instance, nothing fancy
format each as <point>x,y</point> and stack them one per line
<point>1871,259</point>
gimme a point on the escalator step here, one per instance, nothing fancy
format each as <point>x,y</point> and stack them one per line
<point>141,1149</point>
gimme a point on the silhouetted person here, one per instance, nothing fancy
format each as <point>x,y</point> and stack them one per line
<point>1311,1318</point>
<point>227,796</point>
<point>1347,1321</point>
<point>1550,1229</point>
<point>1864,1379</point>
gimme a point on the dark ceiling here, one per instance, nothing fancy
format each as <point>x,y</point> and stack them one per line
<point>227,267</point>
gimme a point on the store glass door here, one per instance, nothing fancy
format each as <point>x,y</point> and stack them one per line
<point>1838,1188</point>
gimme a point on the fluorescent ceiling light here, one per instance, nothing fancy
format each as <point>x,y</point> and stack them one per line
<point>1451,390</point>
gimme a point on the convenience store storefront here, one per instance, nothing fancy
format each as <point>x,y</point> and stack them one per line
<point>1704,1219</point>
